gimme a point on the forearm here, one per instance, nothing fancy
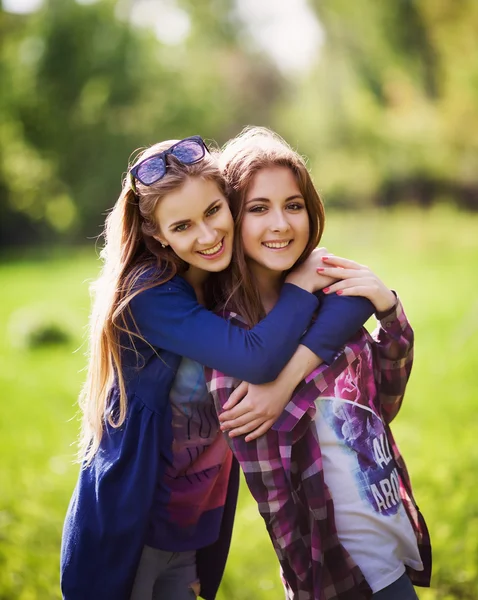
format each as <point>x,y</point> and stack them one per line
<point>254,408</point>
<point>337,321</point>
<point>169,317</point>
<point>302,363</point>
<point>394,341</point>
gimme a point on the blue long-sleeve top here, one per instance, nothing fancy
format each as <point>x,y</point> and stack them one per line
<point>337,321</point>
<point>110,515</point>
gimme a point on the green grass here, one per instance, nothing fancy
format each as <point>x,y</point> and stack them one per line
<point>431,258</point>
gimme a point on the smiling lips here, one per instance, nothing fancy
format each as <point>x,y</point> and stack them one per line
<point>214,251</point>
<point>278,245</point>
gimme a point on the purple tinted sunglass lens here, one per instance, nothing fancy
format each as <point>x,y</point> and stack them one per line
<point>188,151</point>
<point>151,170</point>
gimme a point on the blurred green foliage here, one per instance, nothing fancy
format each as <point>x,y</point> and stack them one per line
<point>82,88</point>
<point>428,256</point>
<point>36,326</point>
<point>394,96</point>
<point>386,112</point>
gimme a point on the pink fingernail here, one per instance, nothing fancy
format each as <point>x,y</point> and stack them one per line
<point>325,258</point>
<point>339,293</point>
<point>325,290</point>
<point>320,269</point>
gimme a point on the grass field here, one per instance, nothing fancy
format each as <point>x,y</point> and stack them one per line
<point>430,257</point>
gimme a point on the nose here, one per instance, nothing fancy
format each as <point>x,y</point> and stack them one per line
<point>279,222</point>
<point>207,234</point>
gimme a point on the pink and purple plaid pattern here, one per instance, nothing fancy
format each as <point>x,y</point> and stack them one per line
<point>283,468</point>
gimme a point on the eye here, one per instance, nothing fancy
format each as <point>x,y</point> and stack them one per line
<point>295,206</point>
<point>213,210</point>
<point>181,227</point>
<point>259,208</point>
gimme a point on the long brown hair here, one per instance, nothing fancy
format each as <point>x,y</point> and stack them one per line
<point>129,252</point>
<point>257,148</point>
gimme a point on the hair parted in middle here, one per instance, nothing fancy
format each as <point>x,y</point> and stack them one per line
<point>254,149</point>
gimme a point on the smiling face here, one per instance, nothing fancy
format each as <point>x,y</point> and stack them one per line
<point>195,221</point>
<point>275,227</point>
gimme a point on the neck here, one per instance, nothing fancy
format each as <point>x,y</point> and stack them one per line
<point>269,284</point>
<point>197,278</point>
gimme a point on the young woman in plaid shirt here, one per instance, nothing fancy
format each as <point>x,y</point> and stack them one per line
<point>328,477</point>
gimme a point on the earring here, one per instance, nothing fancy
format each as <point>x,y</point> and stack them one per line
<point>163,245</point>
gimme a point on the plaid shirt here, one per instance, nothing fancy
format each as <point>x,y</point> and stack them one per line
<point>283,468</point>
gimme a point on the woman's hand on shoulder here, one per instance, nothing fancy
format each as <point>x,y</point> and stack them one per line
<point>307,276</point>
<point>353,279</point>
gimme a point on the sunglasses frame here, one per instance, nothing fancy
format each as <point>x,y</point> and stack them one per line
<point>134,170</point>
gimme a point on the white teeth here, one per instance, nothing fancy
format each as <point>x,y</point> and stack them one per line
<point>212,250</point>
<point>276,244</point>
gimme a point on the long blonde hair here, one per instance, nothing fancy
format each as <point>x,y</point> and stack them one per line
<point>129,253</point>
<point>254,149</point>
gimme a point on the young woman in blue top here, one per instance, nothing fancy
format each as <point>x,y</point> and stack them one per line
<point>152,511</point>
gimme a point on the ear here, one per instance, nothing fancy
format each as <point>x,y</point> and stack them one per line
<point>161,240</point>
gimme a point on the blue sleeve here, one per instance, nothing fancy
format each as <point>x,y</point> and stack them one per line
<point>338,319</point>
<point>169,317</point>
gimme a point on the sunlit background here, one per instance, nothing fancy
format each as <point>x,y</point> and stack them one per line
<point>382,98</point>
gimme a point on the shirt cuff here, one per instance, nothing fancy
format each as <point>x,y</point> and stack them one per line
<point>393,321</point>
<point>390,311</point>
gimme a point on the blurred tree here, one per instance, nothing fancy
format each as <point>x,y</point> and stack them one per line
<point>85,87</point>
<point>382,114</point>
<point>387,112</point>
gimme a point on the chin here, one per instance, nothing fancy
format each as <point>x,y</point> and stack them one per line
<point>215,266</point>
<point>219,267</point>
<point>280,266</point>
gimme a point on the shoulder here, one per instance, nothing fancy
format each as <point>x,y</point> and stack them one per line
<point>153,276</point>
<point>154,283</point>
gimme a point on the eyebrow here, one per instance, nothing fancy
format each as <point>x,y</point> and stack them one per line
<point>184,221</point>
<point>260,199</point>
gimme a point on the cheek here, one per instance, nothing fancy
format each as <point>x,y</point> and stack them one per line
<point>303,229</point>
<point>250,235</point>
<point>227,223</point>
<point>180,245</point>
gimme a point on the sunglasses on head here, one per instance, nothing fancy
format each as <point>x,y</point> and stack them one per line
<point>188,151</point>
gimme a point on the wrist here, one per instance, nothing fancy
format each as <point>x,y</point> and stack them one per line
<point>298,368</point>
<point>385,305</point>
<point>289,379</point>
<point>299,282</point>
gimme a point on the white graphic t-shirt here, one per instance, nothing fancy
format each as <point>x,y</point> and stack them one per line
<point>360,472</point>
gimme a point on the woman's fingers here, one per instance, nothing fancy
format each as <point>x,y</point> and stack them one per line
<point>236,396</point>
<point>366,285</point>
<point>242,409</point>
<point>260,430</point>
<point>365,282</point>
<point>341,272</point>
<point>339,261</point>
<point>356,280</point>
<point>247,428</point>
<point>326,281</point>
<point>240,415</point>
<point>354,288</point>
